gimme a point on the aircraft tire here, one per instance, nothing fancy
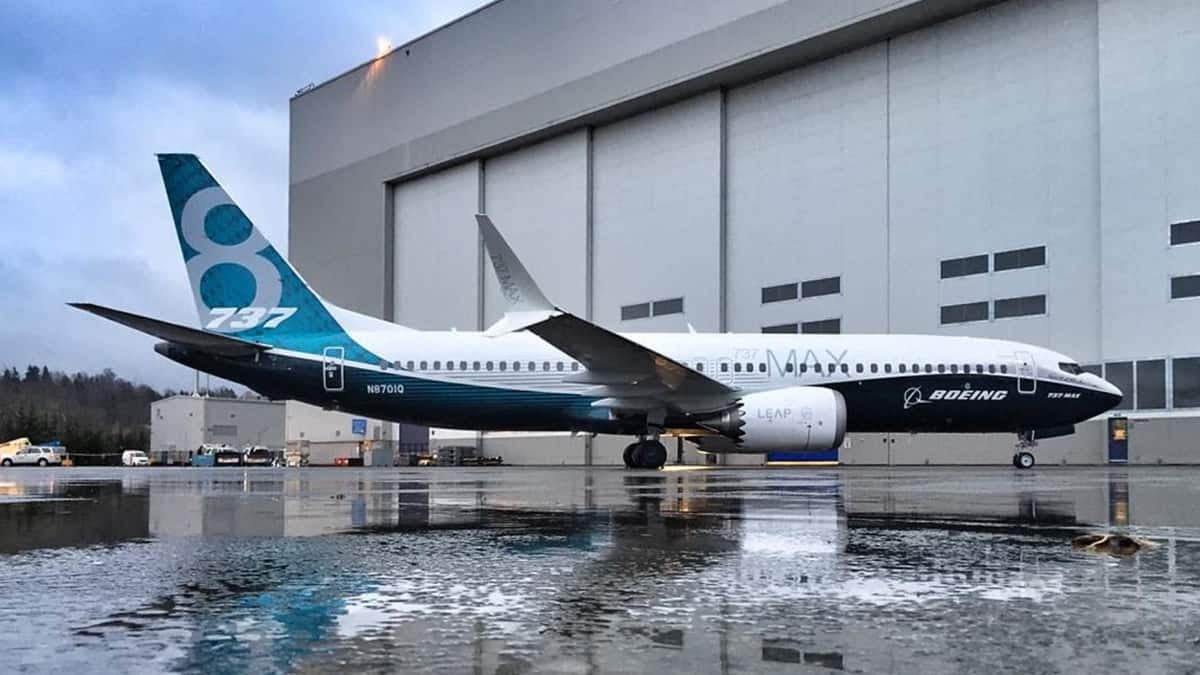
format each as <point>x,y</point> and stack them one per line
<point>653,455</point>
<point>628,455</point>
<point>1024,460</point>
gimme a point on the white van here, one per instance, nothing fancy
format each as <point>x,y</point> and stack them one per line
<point>134,458</point>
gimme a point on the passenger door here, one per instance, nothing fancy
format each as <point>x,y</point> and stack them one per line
<point>1026,373</point>
<point>332,366</point>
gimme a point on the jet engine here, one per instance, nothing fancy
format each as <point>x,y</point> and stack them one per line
<point>795,419</point>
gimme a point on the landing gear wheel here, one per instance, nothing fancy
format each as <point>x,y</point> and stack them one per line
<point>1024,460</point>
<point>627,456</point>
<point>653,455</point>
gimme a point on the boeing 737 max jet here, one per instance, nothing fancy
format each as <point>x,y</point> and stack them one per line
<point>543,369</point>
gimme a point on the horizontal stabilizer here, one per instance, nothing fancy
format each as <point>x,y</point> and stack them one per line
<point>182,335</point>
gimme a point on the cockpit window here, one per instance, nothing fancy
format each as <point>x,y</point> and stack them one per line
<point>1072,368</point>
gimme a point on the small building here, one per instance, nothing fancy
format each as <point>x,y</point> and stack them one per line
<point>181,424</point>
<point>327,435</point>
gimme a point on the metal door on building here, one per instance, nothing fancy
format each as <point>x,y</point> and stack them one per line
<point>1118,440</point>
<point>333,363</point>
<point>1026,373</point>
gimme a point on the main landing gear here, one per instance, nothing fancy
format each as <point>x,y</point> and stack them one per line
<point>1023,458</point>
<point>647,454</point>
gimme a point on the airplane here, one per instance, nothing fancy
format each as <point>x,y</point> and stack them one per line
<point>541,368</point>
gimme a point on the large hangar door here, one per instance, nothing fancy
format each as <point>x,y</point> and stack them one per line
<point>437,250</point>
<point>537,197</point>
<point>656,217</point>
<point>807,196</point>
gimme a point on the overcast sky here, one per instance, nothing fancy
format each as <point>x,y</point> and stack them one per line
<point>89,91</point>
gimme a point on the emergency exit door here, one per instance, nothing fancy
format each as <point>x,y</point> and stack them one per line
<point>1026,373</point>
<point>332,367</point>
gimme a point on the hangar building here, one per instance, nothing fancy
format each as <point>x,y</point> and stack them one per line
<point>1024,170</point>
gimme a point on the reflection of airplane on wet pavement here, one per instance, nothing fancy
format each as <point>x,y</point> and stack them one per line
<point>541,368</point>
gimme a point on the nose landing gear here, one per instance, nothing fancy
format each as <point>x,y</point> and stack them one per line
<point>645,454</point>
<point>1023,458</point>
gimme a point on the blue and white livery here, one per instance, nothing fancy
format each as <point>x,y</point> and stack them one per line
<point>543,369</point>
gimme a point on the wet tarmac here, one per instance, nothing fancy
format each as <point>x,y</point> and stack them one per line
<point>515,570</point>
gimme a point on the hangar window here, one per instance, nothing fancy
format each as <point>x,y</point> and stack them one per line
<point>825,326</point>
<point>1185,287</point>
<point>966,312</point>
<point>1093,368</point>
<point>1152,384</point>
<point>1120,373</point>
<point>1029,305</point>
<point>782,328</point>
<point>424,365</point>
<point>1185,375</point>
<point>638,311</point>
<point>780,293</point>
<point>1022,257</point>
<point>672,306</point>
<point>963,267</point>
<point>817,287</point>
<point>1185,233</point>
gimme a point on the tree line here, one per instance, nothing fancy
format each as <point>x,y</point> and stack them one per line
<point>93,415</point>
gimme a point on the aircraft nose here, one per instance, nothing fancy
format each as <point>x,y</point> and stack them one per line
<point>1110,395</point>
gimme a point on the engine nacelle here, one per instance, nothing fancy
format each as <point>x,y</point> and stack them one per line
<point>796,419</point>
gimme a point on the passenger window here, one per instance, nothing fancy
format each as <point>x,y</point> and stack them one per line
<point>789,367</point>
<point>437,365</point>
<point>967,368</point>
<point>504,365</point>
<point>858,367</point>
<point>803,367</point>
<point>516,365</point>
<point>954,368</point>
<point>916,368</point>
<point>816,367</point>
<point>700,366</point>
<point>831,368</point>
<point>546,366</point>
<point>929,367</point>
<point>762,367</point>
<point>737,367</point>
<point>559,367</point>
<point>887,367</point>
<point>384,364</point>
<point>532,366</point>
<point>903,368</point>
<point>574,366</point>
<point>449,365</point>
<point>462,365</point>
<point>1003,369</point>
<point>424,365</point>
<point>489,365</point>
<point>724,367</point>
<point>749,367</point>
<point>874,368</point>
<point>410,365</point>
<point>845,368</point>
<point>941,367</point>
<point>992,368</point>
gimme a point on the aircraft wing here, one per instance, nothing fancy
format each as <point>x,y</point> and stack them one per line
<point>189,337</point>
<point>628,374</point>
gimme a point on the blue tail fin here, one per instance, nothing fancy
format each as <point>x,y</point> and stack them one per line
<point>242,286</point>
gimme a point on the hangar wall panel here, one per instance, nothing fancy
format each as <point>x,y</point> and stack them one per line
<point>994,147</point>
<point>807,192</point>
<point>1150,116</point>
<point>656,203</point>
<point>437,250</point>
<point>537,197</point>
